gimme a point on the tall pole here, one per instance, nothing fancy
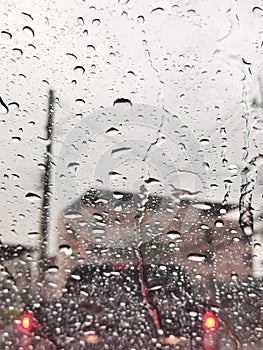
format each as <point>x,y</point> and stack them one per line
<point>45,212</point>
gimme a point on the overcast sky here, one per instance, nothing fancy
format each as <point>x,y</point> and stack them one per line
<point>198,60</point>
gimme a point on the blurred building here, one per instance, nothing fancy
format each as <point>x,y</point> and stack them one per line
<point>106,227</point>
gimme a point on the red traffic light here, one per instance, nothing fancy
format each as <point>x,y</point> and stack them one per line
<point>210,322</point>
<point>26,323</point>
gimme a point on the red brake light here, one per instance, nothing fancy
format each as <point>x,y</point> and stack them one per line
<point>210,322</point>
<point>26,323</point>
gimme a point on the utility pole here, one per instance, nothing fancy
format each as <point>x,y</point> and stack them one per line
<point>45,212</point>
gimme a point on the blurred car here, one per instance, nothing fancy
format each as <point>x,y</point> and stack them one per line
<point>139,286</point>
<point>19,329</point>
<point>119,306</point>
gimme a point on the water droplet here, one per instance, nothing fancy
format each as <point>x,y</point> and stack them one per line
<point>257,10</point>
<point>191,12</point>
<point>53,268</point>
<point>151,180</point>
<point>112,131</point>
<point>252,295</point>
<point>118,195</point>
<point>234,276</point>
<point>214,186</point>
<point>97,216</point>
<point>196,257</point>
<point>123,2</point>
<point>232,168</point>
<point>71,55</point>
<point>219,223</point>
<point>140,19</point>
<point>66,249</point>
<point>123,101</point>
<point>28,31</point>
<point>80,101</point>
<point>98,231</point>
<point>18,51</point>
<point>79,70</point>
<point>32,196</point>
<point>204,142</point>
<point>118,152</point>
<point>80,20</point>
<point>222,211</point>
<point>223,131</point>
<point>3,107</point>
<point>157,10</point>
<point>193,313</point>
<point>73,164</point>
<point>173,234</point>
<point>27,15</point>
<point>206,166</point>
<point>248,230</point>
<point>96,21</point>
<point>34,233</point>
<point>20,156</point>
<point>13,105</point>
<point>91,48</point>
<point>113,175</point>
<point>202,206</point>
<point>6,35</point>
<point>73,215</point>
<point>16,139</point>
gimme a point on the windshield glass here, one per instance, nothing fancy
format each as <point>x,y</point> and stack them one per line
<point>131,191</point>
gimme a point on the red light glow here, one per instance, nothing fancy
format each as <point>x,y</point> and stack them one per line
<point>26,323</point>
<point>210,322</point>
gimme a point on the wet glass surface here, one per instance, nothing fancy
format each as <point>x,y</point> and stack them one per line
<point>131,187</point>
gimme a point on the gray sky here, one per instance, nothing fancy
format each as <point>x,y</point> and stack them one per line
<point>199,60</point>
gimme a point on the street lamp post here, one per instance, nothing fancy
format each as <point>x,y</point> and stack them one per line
<point>45,212</point>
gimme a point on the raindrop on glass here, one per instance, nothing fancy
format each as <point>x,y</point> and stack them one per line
<point>80,101</point>
<point>32,196</point>
<point>79,70</point>
<point>18,51</point>
<point>112,131</point>
<point>204,142</point>
<point>173,234</point>
<point>232,168</point>
<point>73,215</point>
<point>80,20</point>
<point>6,35</point>
<point>122,101</point>
<point>16,139</point>
<point>71,55</point>
<point>158,10</point>
<point>29,32</point>
<point>140,19</point>
<point>96,21</point>
<point>3,107</point>
<point>219,223</point>
<point>66,249</point>
<point>257,10</point>
<point>13,105</point>
<point>196,257</point>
